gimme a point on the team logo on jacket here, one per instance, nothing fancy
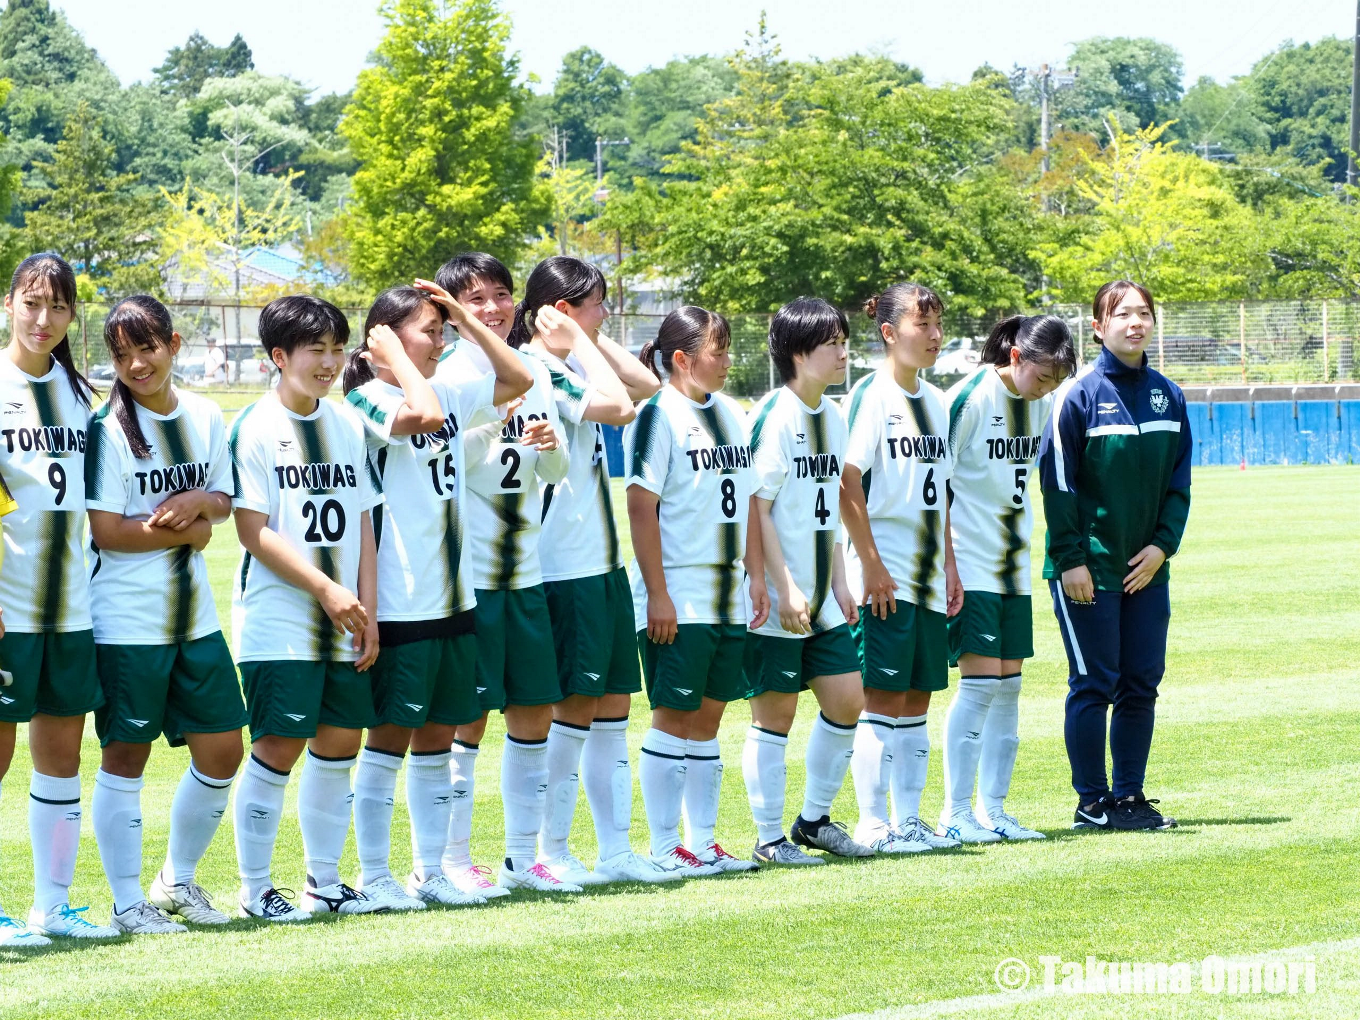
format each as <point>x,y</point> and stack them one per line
<point>1160,402</point>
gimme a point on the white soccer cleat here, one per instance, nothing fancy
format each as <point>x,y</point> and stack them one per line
<point>17,935</point>
<point>1007,826</point>
<point>716,857</point>
<point>631,867</point>
<point>387,892</point>
<point>965,828</point>
<point>66,921</point>
<point>569,868</point>
<point>536,879</point>
<point>474,880</point>
<point>914,828</point>
<point>272,905</point>
<point>145,919</point>
<point>190,901</point>
<point>437,889</point>
<point>685,864</point>
<point>888,841</point>
<point>338,898</point>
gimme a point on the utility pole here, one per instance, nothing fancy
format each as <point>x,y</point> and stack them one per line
<point>1355,102</point>
<point>601,193</point>
<point>1049,79</point>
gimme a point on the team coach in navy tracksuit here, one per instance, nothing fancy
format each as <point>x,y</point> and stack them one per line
<point>1114,464</point>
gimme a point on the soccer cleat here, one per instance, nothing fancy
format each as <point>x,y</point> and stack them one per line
<point>966,829</point>
<point>829,836</point>
<point>681,862</point>
<point>568,868</point>
<point>386,891</point>
<point>338,898</point>
<point>1008,827</point>
<point>437,889</point>
<point>64,920</point>
<point>782,852</point>
<point>715,856</point>
<point>1137,813</point>
<point>273,905</point>
<point>472,880</point>
<point>890,841</point>
<point>145,919</point>
<point>535,879</point>
<point>914,828</point>
<point>631,867</point>
<point>189,901</point>
<point>1098,814</point>
<point>15,935</point>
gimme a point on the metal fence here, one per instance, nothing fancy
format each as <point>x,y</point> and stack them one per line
<point>1212,343</point>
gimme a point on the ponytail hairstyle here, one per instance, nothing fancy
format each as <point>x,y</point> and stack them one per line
<point>1108,298</point>
<point>48,270</point>
<point>1040,339</point>
<point>136,321</point>
<point>560,278</point>
<point>391,308</point>
<point>800,327</point>
<point>687,329</point>
<point>902,299</point>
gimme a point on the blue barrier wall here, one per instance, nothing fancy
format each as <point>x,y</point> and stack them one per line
<point>1262,432</point>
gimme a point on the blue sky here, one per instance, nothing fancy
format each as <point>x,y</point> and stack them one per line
<point>325,42</point>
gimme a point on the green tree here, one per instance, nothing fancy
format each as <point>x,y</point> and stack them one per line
<point>1221,120</point>
<point>1138,80</point>
<point>441,168</point>
<point>1314,246</point>
<point>90,214</point>
<point>661,110</point>
<point>588,91</point>
<point>187,67</point>
<point>1302,95</point>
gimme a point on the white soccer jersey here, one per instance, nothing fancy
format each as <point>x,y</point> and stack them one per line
<point>994,438</point>
<point>899,442</point>
<point>160,597</point>
<point>580,537</point>
<point>798,455</point>
<point>42,449</point>
<point>421,528</point>
<point>311,476</point>
<point>696,457</point>
<point>505,505</point>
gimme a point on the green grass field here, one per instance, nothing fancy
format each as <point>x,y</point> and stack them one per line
<point>1256,753</point>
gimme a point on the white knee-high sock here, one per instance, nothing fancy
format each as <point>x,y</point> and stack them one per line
<point>1000,742</point>
<point>257,812</point>
<point>429,794</point>
<point>608,779</point>
<point>963,729</point>
<point>829,750</point>
<point>703,786</point>
<point>462,774</point>
<point>116,810</point>
<point>661,774</point>
<point>54,829</point>
<point>765,772</point>
<point>565,743</point>
<point>195,814</point>
<point>910,760</point>
<point>871,766</point>
<point>325,806</point>
<point>524,794</point>
<point>375,791</point>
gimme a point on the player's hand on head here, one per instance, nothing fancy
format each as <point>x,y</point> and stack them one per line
<point>456,312</point>
<point>384,347</point>
<point>662,624</point>
<point>1145,565</point>
<point>540,435</point>
<point>556,328</point>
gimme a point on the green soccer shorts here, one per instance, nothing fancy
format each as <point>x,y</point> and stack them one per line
<point>516,664</point>
<point>788,665</point>
<point>291,697</point>
<point>704,661</point>
<point>909,651</point>
<point>992,625</point>
<point>429,681</point>
<point>54,674</point>
<point>592,623</point>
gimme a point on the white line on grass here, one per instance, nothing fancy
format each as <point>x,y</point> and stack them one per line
<point>1000,1000</point>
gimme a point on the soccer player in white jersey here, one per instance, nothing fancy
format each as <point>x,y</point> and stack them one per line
<point>157,481</point>
<point>798,440</point>
<point>996,418</point>
<point>424,682</point>
<point>689,489</point>
<point>589,601</point>
<point>516,665</point>
<point>303,612</point>
<point>900,565</point>
<point>48,641</point>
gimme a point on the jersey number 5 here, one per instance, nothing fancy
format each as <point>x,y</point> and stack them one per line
<point>1019,498</point>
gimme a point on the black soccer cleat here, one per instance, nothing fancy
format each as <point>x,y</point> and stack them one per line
<point>1136,813</point>
<point>1098,815</point>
